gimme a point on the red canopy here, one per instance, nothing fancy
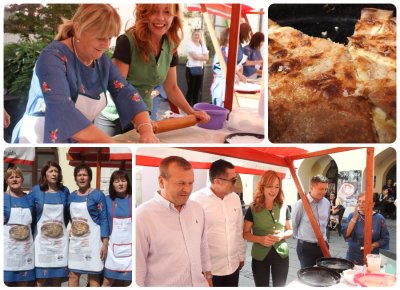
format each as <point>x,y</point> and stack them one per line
<point>258,159</point>
<point>223,10</point>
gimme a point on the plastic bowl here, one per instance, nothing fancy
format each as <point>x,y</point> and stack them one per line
<point>217,115</point>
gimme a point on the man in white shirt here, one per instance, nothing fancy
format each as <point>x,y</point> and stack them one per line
<point>224,222</point>
<point>171,241</point>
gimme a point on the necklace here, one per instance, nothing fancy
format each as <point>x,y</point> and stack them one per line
<point>90,64</point>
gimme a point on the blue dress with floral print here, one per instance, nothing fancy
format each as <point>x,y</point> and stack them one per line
<point>54,88</point>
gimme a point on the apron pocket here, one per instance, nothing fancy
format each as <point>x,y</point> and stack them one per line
<point>122,250</point>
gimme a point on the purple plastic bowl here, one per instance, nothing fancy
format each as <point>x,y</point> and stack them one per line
<point>217,115</point>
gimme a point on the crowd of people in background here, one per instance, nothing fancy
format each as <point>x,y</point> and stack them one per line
<point>207,226</point>
<point>52,235</point>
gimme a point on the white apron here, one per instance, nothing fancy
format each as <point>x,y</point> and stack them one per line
<point>18,245</point>
<point>51,241</point>
<point>85,240</point>
<point>91,107</point>
<point>119,255</point>
<point>32,127</point>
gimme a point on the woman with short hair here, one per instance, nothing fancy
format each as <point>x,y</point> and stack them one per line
<point>118,267</point>
<point>353,232</point>
<point>19,265</point>
<point>89,233</point>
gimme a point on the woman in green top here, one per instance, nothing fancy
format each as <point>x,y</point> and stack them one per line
<point>146,54</point>
<point>267,224</point>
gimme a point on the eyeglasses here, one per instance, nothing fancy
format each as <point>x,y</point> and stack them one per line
<point>233,180</point>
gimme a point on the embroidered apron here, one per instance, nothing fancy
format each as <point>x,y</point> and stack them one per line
<point>119,256</point>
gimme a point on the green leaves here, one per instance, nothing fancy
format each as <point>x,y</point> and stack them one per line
<point>19,60</point>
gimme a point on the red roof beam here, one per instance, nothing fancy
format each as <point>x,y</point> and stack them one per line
<point>250,154</point>
<point>323,152</point>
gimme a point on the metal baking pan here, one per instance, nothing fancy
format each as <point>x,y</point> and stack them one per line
<point>334,21</point>
<point>336,264</point>
<point>258,136</point>
<point>318,276</point>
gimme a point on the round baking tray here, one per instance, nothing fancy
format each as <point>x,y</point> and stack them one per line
<point>258,136</point>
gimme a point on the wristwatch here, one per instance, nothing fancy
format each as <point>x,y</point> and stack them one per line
<point>208,276</point>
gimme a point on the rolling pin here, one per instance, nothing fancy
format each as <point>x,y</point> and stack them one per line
<point>175,123</point>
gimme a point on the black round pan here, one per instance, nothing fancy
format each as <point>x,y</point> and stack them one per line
<point>258,136</point>
<point>334,21</point>
<point>336,264</point>
<point>318,276</point>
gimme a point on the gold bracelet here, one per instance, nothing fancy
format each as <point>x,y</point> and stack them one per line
<point>143,124</point>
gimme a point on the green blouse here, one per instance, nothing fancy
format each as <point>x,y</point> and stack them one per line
<point>265,223</point>
<point>145,76</point>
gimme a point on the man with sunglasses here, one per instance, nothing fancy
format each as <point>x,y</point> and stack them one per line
<point>224,222</point>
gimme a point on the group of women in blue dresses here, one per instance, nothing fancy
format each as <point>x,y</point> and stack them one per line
<point>51,235</point>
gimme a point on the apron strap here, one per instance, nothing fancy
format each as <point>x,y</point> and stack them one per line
<point>113,210</point>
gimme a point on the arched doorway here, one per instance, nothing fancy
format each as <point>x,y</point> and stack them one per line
<point>391,174</point>
<point>332,174</point>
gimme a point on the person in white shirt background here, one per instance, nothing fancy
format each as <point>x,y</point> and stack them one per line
<point>224,221</point>
<point>171,240</point>
<point>197,55</point>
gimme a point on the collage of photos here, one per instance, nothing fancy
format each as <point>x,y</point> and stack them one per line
<point>253,175</point>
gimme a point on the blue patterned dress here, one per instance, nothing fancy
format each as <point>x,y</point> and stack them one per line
<point>54,88</point>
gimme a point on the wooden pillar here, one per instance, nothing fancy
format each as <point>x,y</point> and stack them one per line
<point>308,210</point>
<point>232,55</point>
<point>214,38</point>
<point>369,187</point>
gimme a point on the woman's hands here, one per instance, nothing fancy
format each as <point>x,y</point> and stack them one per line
<point>104,248</point>
<point>355,216</point>
<point>269,240</point>
<point>202,116</point>
<point>148,137</point>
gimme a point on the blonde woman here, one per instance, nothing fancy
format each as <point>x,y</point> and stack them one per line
<point>197,55</point>
<point>70,80</point>
<point>19,265</point>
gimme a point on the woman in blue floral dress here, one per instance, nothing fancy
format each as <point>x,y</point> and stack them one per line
<point>70,80</point>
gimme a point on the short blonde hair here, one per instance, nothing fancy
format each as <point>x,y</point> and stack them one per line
<point>14,170</point>
<point>101,18</point>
